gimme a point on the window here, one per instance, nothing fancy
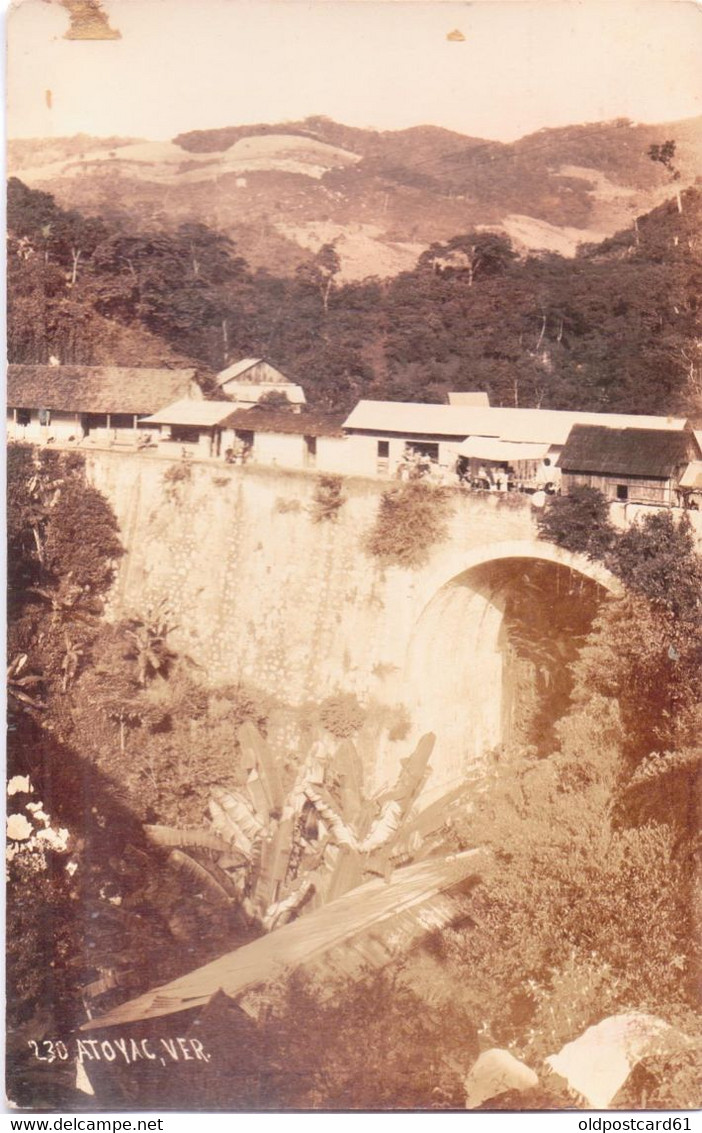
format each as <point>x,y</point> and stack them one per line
<point>44,416</point>
<point>428,449</point>
<point>622,492</point>
<point>185,434</point>
<point>24,416</point>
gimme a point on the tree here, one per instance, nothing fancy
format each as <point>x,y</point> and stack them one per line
<point>484,253</point>
<point>322,272</point>
<point>657,558</point>
<point>664,154</point>
<point>63,545</point>
<point>579,522</point>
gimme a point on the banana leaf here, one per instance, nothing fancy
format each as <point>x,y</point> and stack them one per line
<point>348,766</point>
<point>179,837</point>
<point>218,888</point>
<point>239,808</point>
<point>227,828</point>
<point>324,806</point>
<point>257,756</point>
<point>259,798</point>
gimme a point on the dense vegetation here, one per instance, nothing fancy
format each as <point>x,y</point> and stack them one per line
<point>614,329</point>
<point>587,910</point>
<point>90,901</point>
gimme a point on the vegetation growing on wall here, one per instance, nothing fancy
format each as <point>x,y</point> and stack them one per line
<point>412,518</point>
<point>342,715</point>
<point>328,498</point>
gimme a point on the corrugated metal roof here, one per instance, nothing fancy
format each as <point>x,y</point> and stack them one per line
<point>539,426</point>
<point>187,412</point>
<point>413,418</point>
<point>477,397</point>
<point>655,453</point>
<point>692,476</point>
<point>308,424</point>
<point>370,924</point>
<point>248,391</point>
<point>97,389</point>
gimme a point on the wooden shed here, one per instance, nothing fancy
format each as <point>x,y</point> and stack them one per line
<point>630,465</point>
<point>253,381</point>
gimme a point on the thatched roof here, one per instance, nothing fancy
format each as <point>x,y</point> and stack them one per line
<point>652,453</point>
<point>301,424</point>
<point>97,389</point>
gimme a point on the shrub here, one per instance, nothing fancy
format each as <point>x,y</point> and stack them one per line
<point>177,475</point>
<point>411,519</point>
<point>656,558</point>
<point>578,522</point>
<point>283,505</point>
<point>328,498</point>
<point>342,715</point>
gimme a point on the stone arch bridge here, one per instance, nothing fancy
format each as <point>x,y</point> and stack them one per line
<point>266,596</point>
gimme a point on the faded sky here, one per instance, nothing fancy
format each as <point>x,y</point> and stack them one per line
<point>196,64</point>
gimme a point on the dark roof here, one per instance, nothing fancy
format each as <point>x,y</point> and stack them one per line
<point>302,424</point>
<point>95,389</point>
<point>655,453</point>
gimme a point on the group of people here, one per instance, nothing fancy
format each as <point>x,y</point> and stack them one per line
<point>467,474</point>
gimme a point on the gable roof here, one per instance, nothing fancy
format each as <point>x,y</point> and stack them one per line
<point>692,476</point>
<point>466,397</point>
<point>187,412</point>
<point>96,389</point>
<point>537,426</point>
<point>300,424</point>
<point>655,453</point>
<point>236,369</point>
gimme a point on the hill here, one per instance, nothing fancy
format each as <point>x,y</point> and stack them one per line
<point>615,328</point>
<point>283,190</point>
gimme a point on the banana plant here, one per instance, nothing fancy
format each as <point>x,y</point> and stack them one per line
<point>21,685</point>
<point>150,648</point>
<point>278,854</point>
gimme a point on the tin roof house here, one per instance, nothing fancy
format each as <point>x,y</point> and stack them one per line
<point>633,465</point>
<point>253,381</point>
<point>104,403</point>
<point>384,431</point>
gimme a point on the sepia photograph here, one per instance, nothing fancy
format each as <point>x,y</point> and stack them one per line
<point>354,556</point>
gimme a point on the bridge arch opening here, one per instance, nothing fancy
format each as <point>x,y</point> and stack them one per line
<point>488,662</point>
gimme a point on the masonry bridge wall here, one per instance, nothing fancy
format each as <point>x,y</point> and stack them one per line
<point>264,595</point>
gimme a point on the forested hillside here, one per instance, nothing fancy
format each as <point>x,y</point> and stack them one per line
<point>282,190</point>
<point>615,329</point>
